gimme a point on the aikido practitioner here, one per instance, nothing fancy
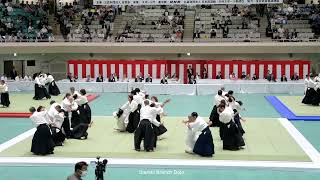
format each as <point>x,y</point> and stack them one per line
<point>84,111</point>
<point>73,91</point>
<point>67,107</point>
<point>39,87</point>
<point>135,106</point>
<point>122,115</point>
<point>42,142</point>
<point>53,88</point>
<point>161,129</point>
<point>144,130</point>
<point>214,116</point>
<point>199,138</point>
<point>237,107</point>
<point>5,100</point>
<point>56,116</point>
<point>311,92</point>
<point>231,135</point>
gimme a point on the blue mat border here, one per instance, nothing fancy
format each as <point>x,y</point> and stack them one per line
<point>285,112</point>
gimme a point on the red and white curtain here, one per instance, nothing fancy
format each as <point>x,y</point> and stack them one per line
<point>158,68</point>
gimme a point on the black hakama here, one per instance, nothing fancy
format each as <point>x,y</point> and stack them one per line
<point>310,94</point>
<point>53,89</point>
<point>80,131</point>
<point>66,124</point>
<point>158,130</point>
<point>57,136</point>
<point>42,142</point>
<point>144,131</point>
<point>85,113</point>
<point>80,122</point>
<point>232,138</point>
<point>214,117</point>
<point>40,92</point>
<point>134,119</point>
<point>204,145</point>
<point>75,118</point>
<point>5,101</point>
<point>238,123</point>
<point>161,129</point>
<point>316,99</point>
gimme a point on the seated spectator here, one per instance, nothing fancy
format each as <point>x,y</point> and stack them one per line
<point>192,80</point>
<point>248,77</point>
<point>149,78</point>
<point>232,76</point>
<point>88,78</point>
<point>254,77</point>
<point>243,75</point>
<point>164,80</point>
<point>99,78</point>
<point>112,78</point>
<point>213,33</point>
<point>284,78</point>
<point>219,76</point>
<point>295,77</point>
<point>139,78</point>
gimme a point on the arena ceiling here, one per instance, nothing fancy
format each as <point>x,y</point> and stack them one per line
<point>167,48</point>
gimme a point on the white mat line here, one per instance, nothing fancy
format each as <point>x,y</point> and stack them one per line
<point>17,139</point>
<point>301,140</point>
<point>161,162</point>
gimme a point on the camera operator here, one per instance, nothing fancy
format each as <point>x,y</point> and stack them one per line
<point>80,170</point>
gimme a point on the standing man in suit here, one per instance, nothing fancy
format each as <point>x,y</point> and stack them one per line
<point>13,73</point>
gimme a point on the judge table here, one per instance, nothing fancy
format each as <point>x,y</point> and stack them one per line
<point>204,87</point>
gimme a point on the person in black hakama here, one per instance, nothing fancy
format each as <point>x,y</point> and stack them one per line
<point>310,92</point>
<point>236,106</point>
<point>56,116</point>
<point>232,137</point>
<point>42,142</point>
<point>5,101</point>
<point>134,116</point>
<point>67,106</point>
<point>144,130</point>
<point>53,88</point>
<point>161,129</point>
<point>40,89</point>
<point>199,138</point>
<point>80,130</point>
<point>214,116</point>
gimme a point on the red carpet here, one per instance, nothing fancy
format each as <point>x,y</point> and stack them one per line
<point>90,97</point>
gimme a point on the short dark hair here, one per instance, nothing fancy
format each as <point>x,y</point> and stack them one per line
<point>39,108</point>
<point>220,92</point>
<point>137,90</point>
<point>133,92</point>
<point>240,102</point>
<point>79,165</point>
<point>52,102</point>
<point>230,92</point>
<point>155,98</point>
<point>32,109</point>
<point>194,114</point>
<point>146,102</point>
<point>83,92</point>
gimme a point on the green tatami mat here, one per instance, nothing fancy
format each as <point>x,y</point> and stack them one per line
<point>22,102</point>
<point>298,108</point>
<point>266,139</point>
<point>180,105</point>
<point>12,127</point>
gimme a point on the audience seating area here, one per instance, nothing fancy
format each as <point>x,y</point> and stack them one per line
<point>226,23</point>
<point>150,25</point>
<point>212,23</point>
